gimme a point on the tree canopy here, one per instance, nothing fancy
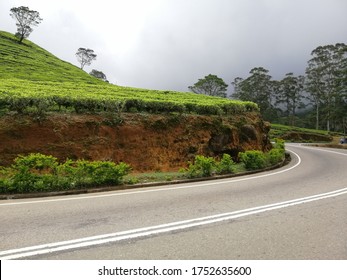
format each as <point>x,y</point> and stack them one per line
<point>257,88</point>
<point>326,82</point>
<point>323,91</point>
<point>25,18</point>
<point>99,75</point>
<point>85,56</point>
<point>210,85</point>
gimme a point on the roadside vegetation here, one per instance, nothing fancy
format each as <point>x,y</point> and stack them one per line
<point>43,173</point>
<point>249,160</point>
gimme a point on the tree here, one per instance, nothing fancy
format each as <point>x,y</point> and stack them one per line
<point>99,75</point>
<point>25,19</point>
<point>210,85</point>
<point>326,80</point>
<point>257,88</point>
<point>85,56</point>
<point>289,91</point>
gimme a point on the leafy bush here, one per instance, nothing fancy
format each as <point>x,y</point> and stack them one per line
<point>202,167</point>
<point>37,173</point>
<point>275,156</point>
<point>207,166</point>
<point>253,160</point>
<point>226,165</point>
<point>99,172</point>
<point>279,144</point>
<point>277,153</point>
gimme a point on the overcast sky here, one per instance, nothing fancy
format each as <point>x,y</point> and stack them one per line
<point>170,44</point>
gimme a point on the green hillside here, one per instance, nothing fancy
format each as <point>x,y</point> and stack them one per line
<point>30,62</point>
<point>32,80</point>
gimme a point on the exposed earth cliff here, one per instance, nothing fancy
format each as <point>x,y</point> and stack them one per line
<point>145,141</point>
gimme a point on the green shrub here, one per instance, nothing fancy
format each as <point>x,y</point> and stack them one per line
<point>279,144</point>
<point>202,167</point>
<point>37,173</point>
<point>253,160</point>
<point>34,172</point>
<point>277,153</point>
<point>275,156</point>
<point>36,163</point>
<point>102,172</point>
<point>226,165</point>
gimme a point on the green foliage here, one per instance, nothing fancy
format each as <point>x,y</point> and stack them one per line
<point>258,88</point>
<point>277,153</point>
<point>279,144</point>
<point>290,93</point>
<point>29,62</point>
<point>207,166</point>
<point>275,156</point>
<point>23,96</point>
<point>98,74</point>
<point>326,83</point>
<point>202,167</point>
<point>37,173</point>
<point>297,134</point>
<point>210,85</point>
<point>323,87</point>
<point>225,165</point>
<point>253,160</point>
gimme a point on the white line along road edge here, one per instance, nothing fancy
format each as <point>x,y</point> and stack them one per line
<point>153,230</point>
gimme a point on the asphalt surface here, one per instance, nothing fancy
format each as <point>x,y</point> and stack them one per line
<point>298,211</point>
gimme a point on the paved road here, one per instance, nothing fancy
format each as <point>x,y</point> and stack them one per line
<point>295,212</point>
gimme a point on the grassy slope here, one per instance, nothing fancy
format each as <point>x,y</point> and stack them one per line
<point>28,61</point>
<point>297,134</point>
<point>27,71</point>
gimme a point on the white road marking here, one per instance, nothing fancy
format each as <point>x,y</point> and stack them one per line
<point>153,230</point>
<point>321,150</point>
<point>210,183</point>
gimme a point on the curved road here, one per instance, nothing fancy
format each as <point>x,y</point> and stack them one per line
<point>296,212</point>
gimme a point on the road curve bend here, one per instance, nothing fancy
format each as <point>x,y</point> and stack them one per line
<point>296,212</point>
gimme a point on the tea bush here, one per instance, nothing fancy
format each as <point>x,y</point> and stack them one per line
<point>207,166</point>
<point>202,167</point>
<point>275,156</point>
<point>253,160</point>
<point>38,173</point>
<point>226,165</point>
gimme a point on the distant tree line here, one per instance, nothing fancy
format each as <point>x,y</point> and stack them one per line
<point>317,99</point>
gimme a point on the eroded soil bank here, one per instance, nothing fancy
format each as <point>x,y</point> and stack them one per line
<point>147,142</point>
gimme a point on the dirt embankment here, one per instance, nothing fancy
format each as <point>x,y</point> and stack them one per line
<point>146,142</point>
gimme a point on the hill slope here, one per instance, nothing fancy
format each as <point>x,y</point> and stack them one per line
<point>28,61</point>
<point>52,107</point>
<point>31,76</point>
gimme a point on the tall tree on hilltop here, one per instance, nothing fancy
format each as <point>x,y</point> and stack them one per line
<point>85,56</point>
<point>210,85</point>
<point>25,18</point>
